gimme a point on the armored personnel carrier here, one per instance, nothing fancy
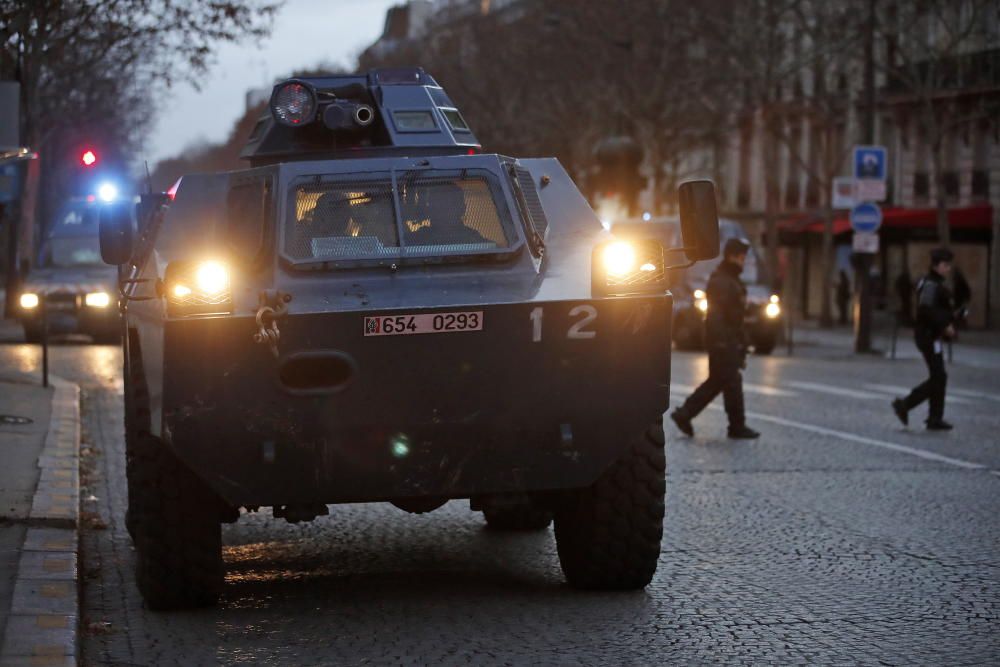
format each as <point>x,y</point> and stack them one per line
<point>378,311</point>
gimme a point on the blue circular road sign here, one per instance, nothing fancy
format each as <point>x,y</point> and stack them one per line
<point>866,217</point>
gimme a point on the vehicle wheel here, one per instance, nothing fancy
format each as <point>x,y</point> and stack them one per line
<point>32,334</point>
<point>108,338</point>
<point>764,345</point>
<point>518,517</point>
<point>608,535</point>
<point>178,536</point>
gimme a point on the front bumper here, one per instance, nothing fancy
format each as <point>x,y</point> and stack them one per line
<point>529,403</point>
<point>68,314</point>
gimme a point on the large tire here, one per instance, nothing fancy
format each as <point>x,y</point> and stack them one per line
<point>765,344</point>
<point>520,517</point>
<point>608,535</point>
<point>137,420</point>
<point>178,536</point>
<point>32,334</point>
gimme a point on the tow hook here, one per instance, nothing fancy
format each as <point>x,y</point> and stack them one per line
<point>272,305</point>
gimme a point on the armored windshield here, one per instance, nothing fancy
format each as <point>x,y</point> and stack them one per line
<point>407,214</point>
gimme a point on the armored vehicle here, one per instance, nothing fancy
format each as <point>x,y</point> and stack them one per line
<point>377,310</point>
<point>69,281</point>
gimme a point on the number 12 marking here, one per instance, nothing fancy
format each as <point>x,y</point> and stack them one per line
<point>578,331</point>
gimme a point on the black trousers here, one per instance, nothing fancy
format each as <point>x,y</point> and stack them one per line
<point>932,389</point>
<point>724,376</point>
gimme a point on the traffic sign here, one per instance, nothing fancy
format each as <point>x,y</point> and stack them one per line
<point>843,192</point>
<point>869,189</point>
<point>865,242</point>
<point>870,162</point>
<point>866,218</point>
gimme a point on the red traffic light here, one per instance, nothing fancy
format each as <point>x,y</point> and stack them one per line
<point>89,158</point>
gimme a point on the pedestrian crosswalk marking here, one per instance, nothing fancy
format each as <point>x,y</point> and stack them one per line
<point>864,440</point>
<point>973,394</point>
<point>899,392</point>
<point>767,391</point>
<point>748,388</point>
<point>835,391</point>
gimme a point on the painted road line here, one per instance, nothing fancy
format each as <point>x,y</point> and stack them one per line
<point>748,388</point>
<point>973,394</point>
<point>864,440</point>
<point>764,390</point>
<point>899,392</point>
<point>835,391</point>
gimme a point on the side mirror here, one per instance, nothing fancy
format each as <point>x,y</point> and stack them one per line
<point>115,221</point>
<point>699,220</point>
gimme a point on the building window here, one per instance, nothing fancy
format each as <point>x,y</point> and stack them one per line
<point>921,185</point>
<point>981,184</point>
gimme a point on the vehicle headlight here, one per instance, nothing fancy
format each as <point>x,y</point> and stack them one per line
<point>97,299</point>
<point>699,294</point>
<point>29,300</point>
<point>772,310</point>
<point>619,258</point>
<point>701,304</point>
<point>628,267</point>
<point>775,298</point>
<point>211,278</point>
<point>198,287</point>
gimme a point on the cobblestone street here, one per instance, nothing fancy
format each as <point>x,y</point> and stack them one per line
<point>818,544</point>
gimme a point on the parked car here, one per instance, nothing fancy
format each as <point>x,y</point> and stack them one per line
<point>78,289</point>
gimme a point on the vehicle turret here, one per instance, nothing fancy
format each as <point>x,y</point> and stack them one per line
<point>386,112</point>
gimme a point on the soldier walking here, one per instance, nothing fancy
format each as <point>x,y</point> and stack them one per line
<point>934,324</point>
<point>726,342</point>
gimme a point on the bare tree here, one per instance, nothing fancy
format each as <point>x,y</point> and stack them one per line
<point>93,69</point>
<point>930,50</point>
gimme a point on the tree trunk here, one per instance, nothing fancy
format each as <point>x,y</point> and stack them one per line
<point>940,196</point>
<point>771,199</point>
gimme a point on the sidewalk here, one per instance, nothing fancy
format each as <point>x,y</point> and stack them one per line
<point>973,348</point>
<point>39,512</point>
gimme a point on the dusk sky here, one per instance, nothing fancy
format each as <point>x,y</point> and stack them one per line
<point>306,33</point>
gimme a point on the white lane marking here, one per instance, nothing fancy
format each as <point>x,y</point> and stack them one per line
<point>748,388</point>
<point>764,390</point>
<point>835,391</point>
<point>851,437</point>
<point>974,394</point>
<point>900,392</point>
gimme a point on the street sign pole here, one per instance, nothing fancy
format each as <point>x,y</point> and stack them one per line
<point>866,218</point>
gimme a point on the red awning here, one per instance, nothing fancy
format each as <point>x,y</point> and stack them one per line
<point>970,217</point>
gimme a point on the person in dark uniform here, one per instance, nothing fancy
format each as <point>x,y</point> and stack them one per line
<point>726,343</point>
<point>934,324</point>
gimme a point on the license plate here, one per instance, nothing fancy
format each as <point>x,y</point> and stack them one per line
<point>424,323</point>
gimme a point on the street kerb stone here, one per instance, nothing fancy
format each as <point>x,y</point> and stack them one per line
<point>39,635</point>
<point>42,628</point>
<point>50,539</point>
<point>57,498</point>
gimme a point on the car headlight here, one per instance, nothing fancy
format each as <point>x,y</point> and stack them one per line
<point>97,299</point>
<point>701,303</point>
<point>194,288</point>
<point>772,310</point>
<point>699,294</point>
<point>628,267</point>
<point>619,258</point>
<point>29,300</point>
<point>775,298</point>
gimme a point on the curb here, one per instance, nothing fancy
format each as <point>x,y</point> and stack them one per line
<point>42,628</point>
